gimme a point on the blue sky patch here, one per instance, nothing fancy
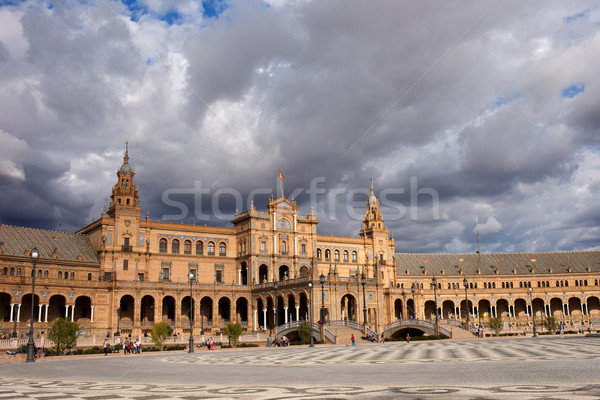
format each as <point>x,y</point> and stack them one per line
<point>136,8</point>
<point>172,17</point>
<point>575,17</point>
<point>213,8</point>
<point>573,90</point>
<point>500,101</point>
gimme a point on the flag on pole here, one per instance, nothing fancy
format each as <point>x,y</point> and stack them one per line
<point>533,260</point>
<point>462,259</point>
<point>426,261</point>
<point>497,261</point>
<point>281,176</point>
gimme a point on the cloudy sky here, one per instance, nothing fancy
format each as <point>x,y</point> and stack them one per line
<point>483,111</point>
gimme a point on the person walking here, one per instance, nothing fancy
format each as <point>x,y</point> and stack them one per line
<point>106,346</point>
<point>561,329</point>
<point>353,340</point>
<point>382,338</point>
<point>408,338</point>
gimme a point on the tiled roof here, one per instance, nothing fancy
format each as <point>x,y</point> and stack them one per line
<point>497,263</point>
<point>17,241</point>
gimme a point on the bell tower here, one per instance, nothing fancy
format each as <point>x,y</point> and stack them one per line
<point>373,219</point>
<point>125,192</point>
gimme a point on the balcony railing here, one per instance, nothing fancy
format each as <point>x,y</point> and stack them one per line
<point>126,247</point>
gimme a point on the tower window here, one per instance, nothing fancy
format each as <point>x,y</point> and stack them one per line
<point>199,248</point>
<point>162,246</point>
<point>211,248</point>
<point>222,249</point>
<point>354,257</point>
<point>175,246</point>
<point>187,247</point>
<point>125,265</point>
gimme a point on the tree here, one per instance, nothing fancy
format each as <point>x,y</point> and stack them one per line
<point>552,324</point>
<point>160,331</point>
<point>304,332</point>
<point>64,334</point>
<point>496,325</point>
<point>234,331</point>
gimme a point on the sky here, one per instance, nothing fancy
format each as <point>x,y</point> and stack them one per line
<point>478,116</point>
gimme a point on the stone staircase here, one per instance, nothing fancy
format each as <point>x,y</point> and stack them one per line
<point>459,333</point>
<point>344,335</point>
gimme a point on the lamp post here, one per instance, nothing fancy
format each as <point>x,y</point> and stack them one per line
<point>363,280</point>
<point>466,284</point>
<point>191,344</point>
<point>532,313</point>
<point>322,281</point>
<point>31,344</point>
<point>310,315</point>
<point>412,290</point>
<point>437,322</point>
<point>118,332</point>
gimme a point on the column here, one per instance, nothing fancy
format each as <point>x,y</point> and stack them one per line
<point>18,312</point>
<point>265,318</point>
<point>582,309</point>
<point>73,313</point>
<point>255,320</point>
<point>239,276</point>
<point>458,313</point>
<point>12,311</point>
<point>297,313</point>
<point>91,315</point>
<point>566,306</point>
<point>66,311</point>
<point>286,314</point>
<point>275,319</point>
<point>40,312</point>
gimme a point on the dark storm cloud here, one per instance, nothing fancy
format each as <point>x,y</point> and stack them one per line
<point>455,110</point>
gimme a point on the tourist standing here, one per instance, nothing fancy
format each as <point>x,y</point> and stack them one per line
<point>408,338</point>
<point>106,346</point>
<point>352,338</point>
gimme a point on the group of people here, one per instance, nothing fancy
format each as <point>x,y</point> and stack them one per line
<point>131,347</point>
<point>210,344</point>
<point>281,342</point>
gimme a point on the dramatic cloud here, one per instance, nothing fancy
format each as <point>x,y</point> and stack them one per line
<point>484,111</point>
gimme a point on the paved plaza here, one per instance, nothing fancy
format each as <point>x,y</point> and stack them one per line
<point>524,368</point>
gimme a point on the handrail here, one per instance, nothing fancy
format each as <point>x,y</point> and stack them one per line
<point>418,322</point>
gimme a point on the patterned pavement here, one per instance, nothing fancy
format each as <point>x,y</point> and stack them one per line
<point>476,369</point>
<point>403,353</point>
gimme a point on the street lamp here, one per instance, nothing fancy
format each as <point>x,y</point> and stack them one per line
<point>322,281</point>
<point>191,344</point>
<point>118,332</point>
<point>532,313</point>
<point>363,280</point>
<point>466,284</point>
<point>437,322</point>
<point>412,290</point>
<point>310,316</point>
<point>30,344</point>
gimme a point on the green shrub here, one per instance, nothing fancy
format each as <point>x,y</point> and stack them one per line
<point>94,350</point>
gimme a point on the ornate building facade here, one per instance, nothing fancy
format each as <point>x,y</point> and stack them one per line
<point>124,272</point>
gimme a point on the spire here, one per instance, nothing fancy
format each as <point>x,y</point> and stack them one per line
<point>125,192</point>
<point>372,198</point>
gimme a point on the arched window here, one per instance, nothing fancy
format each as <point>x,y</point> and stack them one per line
<point>187,247</point>
<point>354,257</point>
<point>222,249</point>
<point>319,254</point>
<point>45,273</point>
<point>345,255</point>
<point>448,285</point>
<point>210,248</point>
<point>162,245</point>
<point>283,247</point>
<point>66,275</point>
<point>199,248</point>
<point>89,277</point>
<point>493,285</point>
<point>39,273</point>
<point>18,271</point>
<point>336,255</point>
<point>485,285</point>
<point>72,275</point>
<point>5,271</point>
<point>59,274</point>
<point>175,246</point>
<point>327,254</point>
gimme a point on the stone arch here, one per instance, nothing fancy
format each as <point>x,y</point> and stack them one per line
<point>206,312</point>
<point>168,309</point>
<point>56,307</point>
<point>241,310</point>
<point>127,306</point>
<point>448,309</point>
<point>5,302</point>
<point>147,308</point>
<point>263,273</point>
<point>83,310</point>
<point>244,273</point>
<point>284,272</point>
<point>430,310</point>
<point>260,307</point>
<point>502,308</point>
<point>556,308</point>
<point>593,305</point>
<point>280,306</point>
<point>484,309</point>
<point>187,308</point>
<point>303,271</point>
<point>575,307</point>
<point>303,302</point>
<point>291,303</point>
<point>521,308</point>
<point>224,310</point>
<point>398,310</point>
<point>349,307</point>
